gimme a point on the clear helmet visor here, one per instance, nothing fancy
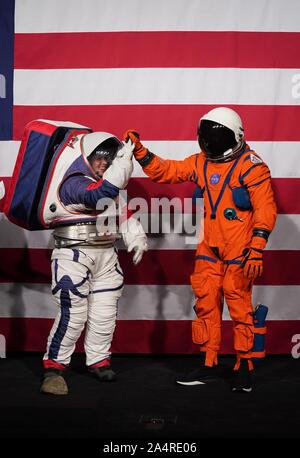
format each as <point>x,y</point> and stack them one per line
<point>106,150</point>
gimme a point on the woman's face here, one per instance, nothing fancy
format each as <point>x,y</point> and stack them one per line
<point>99,166</point>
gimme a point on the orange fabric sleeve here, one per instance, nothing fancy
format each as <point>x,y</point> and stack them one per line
<point>172,171</point>
<point>258,182</point>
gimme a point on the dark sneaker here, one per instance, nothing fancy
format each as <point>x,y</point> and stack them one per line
<point>54,383</point>
<point>104,373</point>
<point>200,376</point>
<point>242,378</point>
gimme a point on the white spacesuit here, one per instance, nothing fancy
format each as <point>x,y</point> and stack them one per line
<point>87,280</point>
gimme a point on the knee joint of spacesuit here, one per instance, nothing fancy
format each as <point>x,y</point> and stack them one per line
<point>229,289</point>
<point>199,284</point>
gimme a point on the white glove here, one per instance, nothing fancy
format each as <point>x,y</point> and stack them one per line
<point>121,168</point>
<point>139,246</point>
<point>134,238</point>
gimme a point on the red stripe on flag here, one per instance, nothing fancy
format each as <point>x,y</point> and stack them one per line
<point>158,267</point>
<point>166,122</point>
<point>285,190</point>
<point>140,49</point>
<point>143,336</point>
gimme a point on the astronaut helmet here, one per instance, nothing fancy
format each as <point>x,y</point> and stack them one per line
<point>100,145</point>
<point>221,134</point>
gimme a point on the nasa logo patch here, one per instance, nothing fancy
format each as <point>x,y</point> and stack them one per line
<point>215,178</point>
<point>255,159</point>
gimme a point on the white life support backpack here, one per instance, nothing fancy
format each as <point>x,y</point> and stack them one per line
<point>47,149</point>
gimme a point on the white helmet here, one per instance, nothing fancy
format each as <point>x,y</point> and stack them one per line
<point>100,145</point>
<point>221,134</point>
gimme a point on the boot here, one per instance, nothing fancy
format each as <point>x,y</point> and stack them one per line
<point>54,382</point>
<point>242,378</point>
<point>201,376</point>
<point>103,373</point>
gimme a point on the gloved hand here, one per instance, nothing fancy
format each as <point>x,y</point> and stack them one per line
<point>252,261</point>
<point>139,246</point>
<point>121,168</point>
<point>139,150</point>
<point>134,238</point>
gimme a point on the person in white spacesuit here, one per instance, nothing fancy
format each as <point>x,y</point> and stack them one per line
<point>87,280</point>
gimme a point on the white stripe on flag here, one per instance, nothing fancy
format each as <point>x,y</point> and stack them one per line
<point>145,15</point>
<point>168,302</point>
<point>283,158</point>
<point>127,86</point>
<point>285,236</point>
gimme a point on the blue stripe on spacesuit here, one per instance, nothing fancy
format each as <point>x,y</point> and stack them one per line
<point>247,158</point>
<point>59,333</point>
<point>194,176</point>
<point>213,206</point>
<point>248,171</point>
<point>197,194</point>
<point>75,255</point>
<point>55,270</point>
<point>259,182</point>
<point>232,261</point>
<point>208,258</point>
<point>246,150</point>
<point>65,285</point>
<point>205,258</point>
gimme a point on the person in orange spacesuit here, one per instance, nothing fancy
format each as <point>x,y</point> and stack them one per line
<point>240,213</point>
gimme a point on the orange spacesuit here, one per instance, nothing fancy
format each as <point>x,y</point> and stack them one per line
<point>240,213</point>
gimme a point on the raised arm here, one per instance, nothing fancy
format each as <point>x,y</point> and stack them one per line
<point>162,170</point>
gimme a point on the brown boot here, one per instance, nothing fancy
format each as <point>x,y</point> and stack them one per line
<point>54,383</point>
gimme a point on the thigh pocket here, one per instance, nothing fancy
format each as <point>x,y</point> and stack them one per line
<point>243,338</point>
<point>199,331</point>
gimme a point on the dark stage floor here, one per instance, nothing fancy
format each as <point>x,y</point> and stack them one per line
<point>146,404</point>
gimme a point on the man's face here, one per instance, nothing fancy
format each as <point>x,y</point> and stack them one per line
<point>99,166</point>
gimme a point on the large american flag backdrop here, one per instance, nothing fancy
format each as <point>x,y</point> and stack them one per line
<point>155,66</point>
